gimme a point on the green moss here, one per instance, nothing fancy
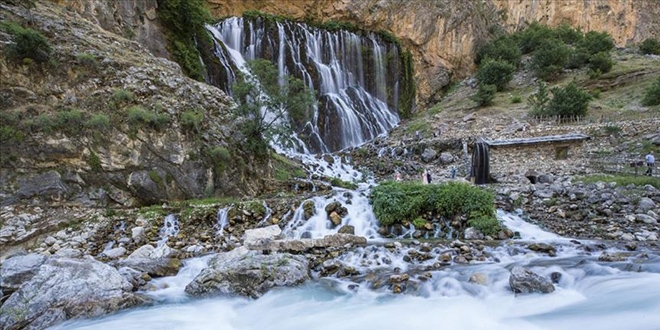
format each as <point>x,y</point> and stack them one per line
<point>155,177</point>
<point>255,207</point>
<point>419,223</point>
<point>408,87</point>
<point>88,60</point>
<point>337,182</point>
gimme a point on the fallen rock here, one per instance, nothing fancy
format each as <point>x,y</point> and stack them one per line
<point>67,288</point>
<point>253,235</point>
<point>525,281</point>
<point>646,204</point>
<point>250,275</point>
<point>19,269</point>
<point>114,253</point>
<point>446,158</point>
<point>543,247</point>
<point>346,229</point>
<point>473,234</point>
<point>429,155</point>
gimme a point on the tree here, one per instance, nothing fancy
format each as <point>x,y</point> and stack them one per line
<point>503,48</point>
<point>650,46</point>
<point>539,100</point>
<point>601,62</point>
<point>569,101</point>
<point>485,94</point>
<point>266,100</point>
<point>549,59</point>
<point>596,42</point>
<point>533,37</point>
<point>652,94</point>
<point>495,72</point>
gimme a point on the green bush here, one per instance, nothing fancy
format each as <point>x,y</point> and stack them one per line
<point>88,60</point>
<point>539,100</point>
<point>549,58</point>
<point>568,34</point>
<point>596,42</point>
<point>337,182</point>
<point>533,37</point>
<point>395,202</point>
<point>577,58</point>
<point>122,96</point>
<point>220,154</point>
<point>485,94</point>
<point>192,120</point>
<point>503,48</point>
<point>495,72</point>
<point>601,61</point>
<point>139,117</point>
<point>98,122</point>
<point>94,162</point>
<point>69,121</point>
<point>26,43</point>
<point>569,101</point>
<point>650,46</point>
<point>45,123</point>
<point>516,99</point>
<point>652,94</point>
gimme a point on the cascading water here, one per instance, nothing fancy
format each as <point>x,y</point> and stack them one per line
<point>222,219</point>
<point>355,77</point>
<point>170,227</point>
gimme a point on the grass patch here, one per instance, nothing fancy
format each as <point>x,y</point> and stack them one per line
<point>420,124</point>
<point>395,202</point>
<point>138,116</point>
<point>284,169</point>
<point>622,180</point>
<point>337,182</point>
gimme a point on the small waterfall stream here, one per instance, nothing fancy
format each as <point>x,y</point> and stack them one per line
<point>170,227</point>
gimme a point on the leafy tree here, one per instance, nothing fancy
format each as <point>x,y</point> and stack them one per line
<point>495,72</point>
<point>596,42</point>
<point>652,95</point>
<point>503,48</point>
<point>264,99</point>
<point>485,94</point>
<point>601,62</point>
<point>539,100</point>
<point>549,59</point>
<point>26,43</point>
<point>568,34</point>
<point>534,36</point>
<point>577,58</point>
<point>569,101</point>
<point>650,46</point>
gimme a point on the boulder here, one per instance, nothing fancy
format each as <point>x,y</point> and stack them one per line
<point>472,234</point>
<point>137,233</point>
<point>544,178</point>
<point>114,253</point>
<point>67,288</point>
<point>525,281</point>
<point>429,155</point>
<point>446,158</point>
<point>335,219</point>
<point>19,269</point>
<point>479,278</point>
<point>309,209</point>
<point>336,207</point>
<point>144,251</point>
<point>347,229</point>
<point>154,267</point>
<point>69,253</point>
<point>646,204</point>
<point>543,247</point>
<point>250,275</point>
<point>251,236</point>
<point>647,219</point>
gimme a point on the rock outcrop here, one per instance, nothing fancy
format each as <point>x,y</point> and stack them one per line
<point>525,281</point>
<point>66,288</point>
<point>249,274</point>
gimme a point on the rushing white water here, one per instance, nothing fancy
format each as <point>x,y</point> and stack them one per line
<point>527,230</point>
<point>223,219</point>
<point>170,227</point>
<point>354,105</point>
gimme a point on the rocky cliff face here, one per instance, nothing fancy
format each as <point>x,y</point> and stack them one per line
<point>444,34</point>
<point>53,151</point>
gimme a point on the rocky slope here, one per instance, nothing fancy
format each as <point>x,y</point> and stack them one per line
<point>443,35</point>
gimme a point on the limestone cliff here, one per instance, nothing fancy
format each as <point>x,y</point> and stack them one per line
<point>444,34</point>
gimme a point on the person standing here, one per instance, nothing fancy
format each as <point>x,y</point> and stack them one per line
<point>425,177</point>
<point>397,176</point>
<point>453,172</point>
<point>650,163</point>
<point>428,177</point>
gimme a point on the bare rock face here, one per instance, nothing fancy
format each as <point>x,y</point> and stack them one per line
<point>250,275</point>
<point>66,288</point>
<point>443,35</point>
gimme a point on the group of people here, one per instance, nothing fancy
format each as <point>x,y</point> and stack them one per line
<point>426,175</point>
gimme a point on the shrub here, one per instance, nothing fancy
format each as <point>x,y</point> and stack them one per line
<point>516,99</point>
<point>650,46</point>
<point>503,48</point>
<point>122,96</point>
<point>27,43</point>
<point>99,122</point>
<point>535,35</point>
<point>549,58</point>
<point>568,101</point>
<point>577,58</point>
<point>595,93</point>
<point>220,154</point>
<point>485,94</point>
<point>337,182</point>
<point>44,123</point>
<point>539,100</point>
<point>70,121</point>
<point>495,72</point>
<point>192,120</point>
<point>395,202</point>
<point>652,94</point>
<point>601,61</point>
<point>94,162</point>
<point>88,60</point>
<point>568,34</point>
<point>140,117</point>
<point>596,42</point>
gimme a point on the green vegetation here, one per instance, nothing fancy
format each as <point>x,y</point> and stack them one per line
<point>121,96</point>
<point>184,22</point>
<point>485,94</point>
<point>138,117</point>
<point>98,122</point>
<point>395,202</point>
<point>621,180</point>
<point>408,86</point>
<point>26,43</point>
<point>155,177</point>
<point>293,99</point>
<point>337,182</point>
<point>652,94</point>
<point>220,157</point>
<point>192,120</point>
<point>94,162</point>
<point>569,101</point>
<point>596,42</point>
<point>568,34</point>
<point>516,99</point>
<point>650,46</point>
<point>503,48</point>
<point>69,121</point>
<point>284,169</point>
<point>419,223</point>
<point>601,62</point>
<point>88,60</point>
<point>495,72</point>
<point>549,59</point>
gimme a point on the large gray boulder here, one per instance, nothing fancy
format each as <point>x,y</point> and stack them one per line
<point>429,155</point>
<point>525,281</point>
<point>67,288</point>
<point>253,235</point>
<point>19,269</point>
<point>446,158</point>
<point>646,204</point>
<point>250,274</point>
<point>154,267</point>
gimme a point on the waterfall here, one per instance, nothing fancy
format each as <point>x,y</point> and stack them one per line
<point>222,220</point>
<point>355,77</point>
<point>170,227</point>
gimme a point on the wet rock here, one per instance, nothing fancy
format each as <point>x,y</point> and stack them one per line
<point>114,253</point>
<point>473,234</point>
<point>347,229</point>
<point>525,281</point>
<point>479,278</point>
<point>137,233</point>
<point>249,275</point>
<point>253,235</point>
<point>459,259</point>
<point>67,288</point>
<point>330,266</point>
<point>337,208</point>
<point>398,278</point>
<point>302,245</point>
<point>335,219</point>
<point>309,209</point>
<point>612,257</point>
<point>429,155</point>
<point>543,247</point>
<point>154,267</point>
<point>555,277</point>
<point>19,269</point>
<point>631,246</point>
